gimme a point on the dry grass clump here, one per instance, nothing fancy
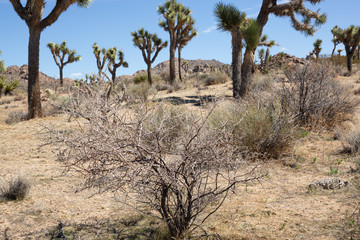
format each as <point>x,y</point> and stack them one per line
<point>16,116</point>
<point>213,78</point>
<point>261,83</point>
<point>16,189</point>
<point>263,129</point>
<point>314,97</point>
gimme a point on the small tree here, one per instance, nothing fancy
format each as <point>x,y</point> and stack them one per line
<point>230,19</point>
<point>186,33</point>
<point>148,44</point>
<point>100,60</point>
<point>177,17</point>
<point>59,53</point>
<point>32,14</point>
<point>185,65</point>
<point>112,55</point>
<point>350,37</point>
<point>336,42</point>
<point>264,42</point>
<point>317,48</point>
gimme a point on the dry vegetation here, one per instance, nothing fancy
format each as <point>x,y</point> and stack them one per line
<point>193,126</point>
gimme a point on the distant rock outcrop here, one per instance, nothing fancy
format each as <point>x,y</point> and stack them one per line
<point>22,73</point>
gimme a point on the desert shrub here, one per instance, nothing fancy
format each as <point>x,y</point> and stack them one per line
<point>165,75</point>
<point>350,140</point>
<point>261,83</point>
<point>16,116</point>
<point>11,86</point>
<point>139,93</point>
<point>140,79</point>
<point>213,78</point>
<point>128,152</point>
<point>16,189</point>
<point>313,96</point>
<point>262,129</point>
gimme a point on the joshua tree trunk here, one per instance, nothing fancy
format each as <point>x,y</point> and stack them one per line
<point>333,51</point>
<point>172,58</point>
<point>34,98</point>
<point>349,57</point>
<point>358,52</point>
<point>266,61</point>
<point>246,72</point>
<point>179,62</point>
<point>236,61</point>
<point>61,77</point>
<point>149,73</point>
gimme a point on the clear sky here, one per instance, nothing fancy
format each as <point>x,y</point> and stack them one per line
<point>109,23</point>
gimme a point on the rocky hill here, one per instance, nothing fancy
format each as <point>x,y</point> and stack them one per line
<point>22,73</point>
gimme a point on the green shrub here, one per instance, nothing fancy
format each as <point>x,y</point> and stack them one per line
<point>139,93</point>
<point>11,86</point>
<point>15,190</point>
<point>140,79</point>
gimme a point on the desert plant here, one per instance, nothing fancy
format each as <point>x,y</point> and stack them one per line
<point>16,116</point>
<point>314,97</point>
<point>263,129</point>
<point>350,141</point>
<point>213,78</point>
<point>32,14</point>
<point>16,189</point>
<point>177,18</point>
<point>230,19</point>
<point>336,42</point>
<point>290,9</point>
<point>59,53</point>
<point>317,48</point>
<point>184,183</point>
<point>10,86</point>
<point>2,84</point>
<point>185,65</point>
<point>148,44</point>
<point>350,37</point>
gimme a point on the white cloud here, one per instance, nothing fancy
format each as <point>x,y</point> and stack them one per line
<point>209,29</point>
<point>76,75</point>
<point>283,49</point>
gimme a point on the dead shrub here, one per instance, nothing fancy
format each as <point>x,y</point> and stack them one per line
<point>16,189</point>
<point>16,116</point>
<point>139,93</point>
<point>128,152</point>
<point>263,129</point>
<point>350,141</point>
<point>313,96</point>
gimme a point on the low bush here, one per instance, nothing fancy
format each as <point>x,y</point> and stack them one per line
<point>314,97</point>
<point>350,141</point>
<point>140,79</point>
<point>16,189</point>
<point>16,116</point>
<point>263,129</point>
<point>213,78</point>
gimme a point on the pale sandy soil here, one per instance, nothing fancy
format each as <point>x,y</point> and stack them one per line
<point>279,207</point>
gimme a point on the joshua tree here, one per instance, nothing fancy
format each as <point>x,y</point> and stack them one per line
<point>32,14</point>
<point>59,53</point>
<point>264,42</point>
<point>230,19</point>
<point>112,55</point>
<point>358,51</point>
<point>289,9</point>
<point>317,47</point>
<point>176,17</point>
<point>261,54</point>
<point>185,65</point>
<point>336,42</point>
<point>148,44</point>
<point>100,60</point>
<point>350,37</point>
<point>185,34</point>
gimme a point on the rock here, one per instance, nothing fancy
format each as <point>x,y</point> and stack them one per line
<point>329,183</point>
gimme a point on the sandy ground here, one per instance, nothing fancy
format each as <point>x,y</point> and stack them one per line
<point>279,207</point>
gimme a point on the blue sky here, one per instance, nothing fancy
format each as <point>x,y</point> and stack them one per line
<point>109,23</point>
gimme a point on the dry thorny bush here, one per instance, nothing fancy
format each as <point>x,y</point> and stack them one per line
<point>314,97</point>
<point>160,160</point>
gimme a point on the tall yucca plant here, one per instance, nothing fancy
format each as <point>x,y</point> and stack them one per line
<point>2,65</point>
<point>230,19</point>
<point>317,47</point>
<point>350,37</point>
<point>32,13</point>
<point>59,53</point>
